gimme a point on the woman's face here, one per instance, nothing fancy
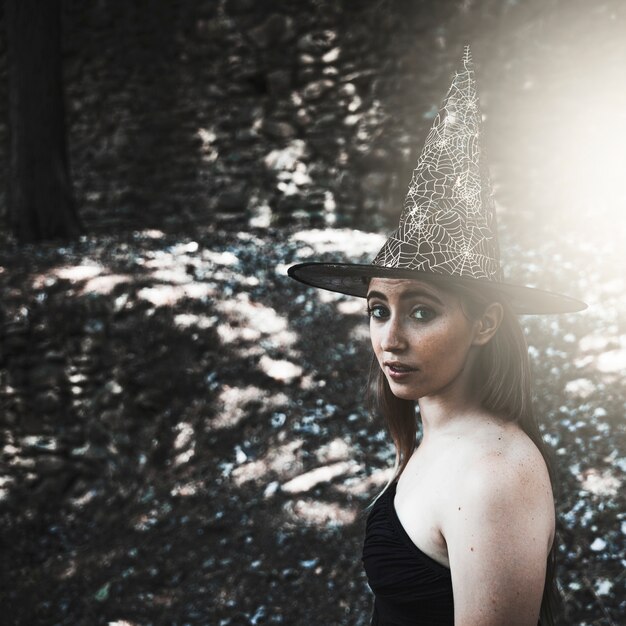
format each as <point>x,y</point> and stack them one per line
<point>421,337</point>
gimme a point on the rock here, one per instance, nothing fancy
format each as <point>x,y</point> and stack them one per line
<point>347,90</point>
<point>25,463</point>
<point>286,158</point>
<point>332,55</point>
<point>303,118</point>
<point>278,130</point>
<point>352,120</point>
<point>306,60</point>
<point>598,544</point>
<point>355,104</point>
<point>300,177</point>
<point>316,89</point>
<point>316,43</point>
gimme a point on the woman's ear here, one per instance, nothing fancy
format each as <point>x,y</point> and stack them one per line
<point>488,324</point>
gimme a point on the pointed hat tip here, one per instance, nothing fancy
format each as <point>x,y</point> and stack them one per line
<point>467,56</point>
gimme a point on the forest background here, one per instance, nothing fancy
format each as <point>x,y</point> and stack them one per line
<point>185,437</point>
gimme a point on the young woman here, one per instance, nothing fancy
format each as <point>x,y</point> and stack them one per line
<point>464,533</point>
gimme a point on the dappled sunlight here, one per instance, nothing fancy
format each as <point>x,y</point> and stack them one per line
<point>184,443</point>
<point>184,490</point>
<point>283,460</point>
<point>257,316</point>
<point>220,258</point>
<point>335,450</point>
<point>68,571</point>
<point>5,484</point>
<point>309,480</point>
<point>282,466</point>
<point>353,306</point>
<point>232,404</point>
<point>330,297</point>
<point>71,273</point>
<point>105,284</point>
<point>77,272</point>
<point>231,335</point>
<point>612,362</point>
<point>95,278</point>
<point>287,159</point>
<point>176,275</point>
<point>84,499</point>
<point>191,320</point>
<point>243,320</point>
<point>144,521</point>
<point>351,243</point>
<point>164,276</point>
<point>366,486</point>
<point>600,483</point>
<point>312,512</point>
<point>360,333</point>
<point>169,296</point>
<point>604,352</point>
<point>149,233</point>
<point>580,388</point>
<point>280,370</point>
<point>208,148</point>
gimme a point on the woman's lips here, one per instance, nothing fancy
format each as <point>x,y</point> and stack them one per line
<point>398,371</point>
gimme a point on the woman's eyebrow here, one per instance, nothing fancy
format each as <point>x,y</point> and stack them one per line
<point>376,294</point>
<point>407,295</point>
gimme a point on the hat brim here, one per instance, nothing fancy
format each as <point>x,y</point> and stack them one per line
<point>352,279</point>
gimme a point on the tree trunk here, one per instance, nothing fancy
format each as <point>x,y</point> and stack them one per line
<point>40,200</point>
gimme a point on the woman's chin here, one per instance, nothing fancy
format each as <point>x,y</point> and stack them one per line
<point>403,392</point>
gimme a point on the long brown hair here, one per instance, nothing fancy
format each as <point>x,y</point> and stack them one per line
<point>503,376</point>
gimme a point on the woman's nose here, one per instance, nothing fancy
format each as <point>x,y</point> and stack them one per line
<point>393,338</point>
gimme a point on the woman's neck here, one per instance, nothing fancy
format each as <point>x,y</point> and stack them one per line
<point>441,417</point>
<point>455,406</point>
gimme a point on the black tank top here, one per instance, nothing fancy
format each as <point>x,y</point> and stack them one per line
<point>410,588</point>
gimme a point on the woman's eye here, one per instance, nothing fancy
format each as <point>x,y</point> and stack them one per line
<point>422,314</point>
<point>377,311</point>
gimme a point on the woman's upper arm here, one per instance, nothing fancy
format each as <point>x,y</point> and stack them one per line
<point>497,534</point>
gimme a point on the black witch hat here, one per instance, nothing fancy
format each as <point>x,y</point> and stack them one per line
<point>448,227</point>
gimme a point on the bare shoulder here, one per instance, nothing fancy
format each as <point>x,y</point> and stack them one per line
<point>501,484</point>
<point>498,527</point>
<point>506,458</point>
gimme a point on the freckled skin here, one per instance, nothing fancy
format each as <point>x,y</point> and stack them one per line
<point>439,347</point>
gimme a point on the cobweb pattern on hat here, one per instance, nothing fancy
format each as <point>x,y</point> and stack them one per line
<point>448,223</point>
